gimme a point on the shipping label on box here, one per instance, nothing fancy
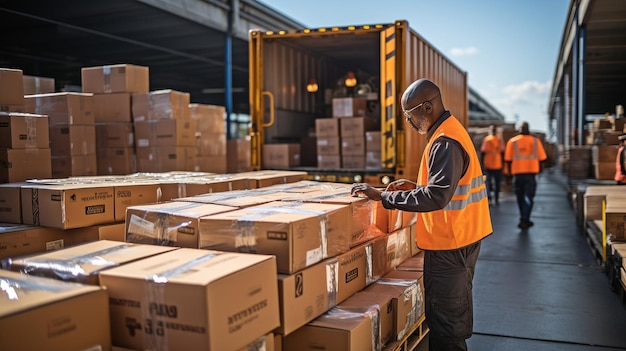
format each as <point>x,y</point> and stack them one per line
<point>328,146</point>
<point>24,131</point>
<point>56,316</point>
<point>349,107</point>
<point>21,240</point>
<point>176,300</point>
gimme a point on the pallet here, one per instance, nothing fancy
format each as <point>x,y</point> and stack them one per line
<point>412,338</point>
<point>594,239</point>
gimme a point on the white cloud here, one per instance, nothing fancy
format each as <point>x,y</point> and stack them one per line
<point>526,101</point>
<point>468,51</point>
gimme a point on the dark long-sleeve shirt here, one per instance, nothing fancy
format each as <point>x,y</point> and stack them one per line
<point>447,163</point>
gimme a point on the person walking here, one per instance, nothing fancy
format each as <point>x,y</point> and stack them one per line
<point>492,153</point>
<point>620,166</point>
<point>452,213</point>
<point>524,154</point>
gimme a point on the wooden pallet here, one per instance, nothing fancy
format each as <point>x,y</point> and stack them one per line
<point>594,239</point>
<point>412,338</point>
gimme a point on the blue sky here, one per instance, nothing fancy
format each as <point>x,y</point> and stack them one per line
<point>508,48</point>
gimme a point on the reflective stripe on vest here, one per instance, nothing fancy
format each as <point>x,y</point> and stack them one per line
<point>464,190</point>
<point>517,156</point>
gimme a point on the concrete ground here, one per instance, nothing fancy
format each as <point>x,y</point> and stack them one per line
<point>542,289</point>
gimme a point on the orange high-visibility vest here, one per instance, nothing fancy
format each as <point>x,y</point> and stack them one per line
<point>493,148</point>
<point>618,167</point>
<point>465,219</point>
<point>524,151</point>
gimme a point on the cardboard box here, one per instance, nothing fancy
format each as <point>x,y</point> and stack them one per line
<point>373,160</point>
<point>161,104</point>
<point>209,119</point>
<point>113,107</point>
<point>357,126</point>
<point>353,146</point>
<point>337,330</point>
<point>134,194</point>
<point>214,164</point>
<point>45,314</point>
<point>210,144</point>
<point>19,240</point>
<point>399,219</point>
<point>122,78</point>
<point>372,141</point>
<point>265,178</point>
<point>165,158</point>
<point>68,206</point>
<point>115,135</point>
<point>83,263</point>
<point>304,296</point>
<point>349,107</point>
<point>112,232</point>
<point>281,156</point>
<point>328,146</point>
<point>165,132</point>
<point>414,263</point>
<point>354,162</point>
<point>11,87</point>
<point>265,343</point>
<point>24,131</point>
<point>63,108</point>
<point>181,306</point>
<point>116,161</point>
<point>615,216</point>
<point>18,165</point>
<point>328,161</point>
<point>299,234</point>
<point>407,299</point>
<point>327,127</point>
<point>237,198</point>
<point>37,85</point>
<point>169,223</point>
<point>73,140</point>
<point>10,203</point>
<point>308,151</point>
<point>73,166</point>
<point>196,186</point>
<point>363,301</point>
<point>238,151</point>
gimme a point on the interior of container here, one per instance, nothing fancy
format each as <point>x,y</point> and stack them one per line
<point>289,64</point>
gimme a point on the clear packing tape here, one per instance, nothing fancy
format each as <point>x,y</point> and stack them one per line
<point>372,313</point>
<point>412,293</point>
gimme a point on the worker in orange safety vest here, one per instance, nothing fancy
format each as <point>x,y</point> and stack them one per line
<point>492,154</point>
<point>525,154</point>
<point>620,159</point>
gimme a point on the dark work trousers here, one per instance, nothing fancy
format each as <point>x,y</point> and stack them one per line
<point>494,177</point>
<point>525,186</point>
<point>448,276</point>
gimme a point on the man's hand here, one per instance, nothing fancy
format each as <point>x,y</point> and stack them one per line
<point>366,189</point>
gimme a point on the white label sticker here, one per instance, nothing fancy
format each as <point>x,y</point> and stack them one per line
<point>143,142</point>
<point>54,245</point>
<point>313,256</point>
<point>140,226</point>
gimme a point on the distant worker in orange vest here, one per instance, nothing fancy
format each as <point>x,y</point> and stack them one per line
<point>452,213</point>
<point>525,155</point>
<point>620,159</point>
<point>492,153</point>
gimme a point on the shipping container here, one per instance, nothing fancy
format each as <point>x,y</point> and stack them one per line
<point>295,76</point>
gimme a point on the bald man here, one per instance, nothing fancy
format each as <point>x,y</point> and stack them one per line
<point>452,208</point>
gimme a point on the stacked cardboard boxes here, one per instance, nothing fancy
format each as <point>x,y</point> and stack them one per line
<point>113,87</point>
<point>165,134</point>
<point>328,143</point>
<point>72,131</point>
<point>24,138</point>
<point>210,137</point>
<point>353,141</point>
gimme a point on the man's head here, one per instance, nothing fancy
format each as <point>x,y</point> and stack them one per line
<point>492,130</point>
<point>422,105</point>
<point>524,128</point>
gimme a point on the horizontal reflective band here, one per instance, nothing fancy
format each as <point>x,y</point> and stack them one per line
<point>461,204</point>
<point>462,190</point>
<point>517,156</point>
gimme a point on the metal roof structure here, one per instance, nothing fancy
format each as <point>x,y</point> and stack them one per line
<point>184,43</point>
<point>590,75</point>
